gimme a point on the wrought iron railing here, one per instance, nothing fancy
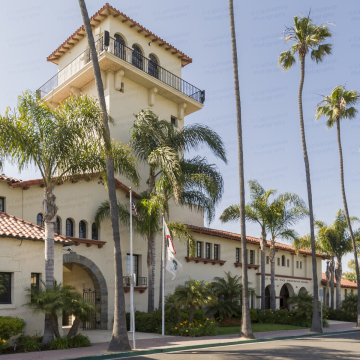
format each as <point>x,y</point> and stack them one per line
<point>126,54</point>
<point>139,281</point>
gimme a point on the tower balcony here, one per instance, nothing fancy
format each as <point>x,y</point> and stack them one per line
<point>123,61</point>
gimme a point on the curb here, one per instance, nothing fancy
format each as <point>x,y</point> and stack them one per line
<point>202,346</point>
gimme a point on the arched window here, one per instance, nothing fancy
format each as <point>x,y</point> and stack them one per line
<point>40,219</point>
<point>69,227</point>
<point>94,232</point>
<point>57,226</point>
<point>82,229</point>
<point>283,260</point>
<point>119,47</point>
<point>137,58</point>
<point>153,66</point>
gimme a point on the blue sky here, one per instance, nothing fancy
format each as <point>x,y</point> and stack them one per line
<point>272,145</point>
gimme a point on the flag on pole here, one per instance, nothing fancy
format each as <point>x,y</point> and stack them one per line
<point>133,206</point>
<point>173,266</point>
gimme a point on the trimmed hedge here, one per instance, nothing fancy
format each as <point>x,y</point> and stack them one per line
<point>341,315</point>
<point>10,326</point>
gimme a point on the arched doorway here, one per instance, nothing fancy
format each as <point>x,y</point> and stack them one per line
<point>267,297</point>
<point>285,293</point>
<point>87,277</point>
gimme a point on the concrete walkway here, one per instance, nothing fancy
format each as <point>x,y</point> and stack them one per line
<point>157,342</point>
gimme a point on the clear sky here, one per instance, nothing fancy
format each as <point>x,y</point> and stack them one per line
<point>272,145</point>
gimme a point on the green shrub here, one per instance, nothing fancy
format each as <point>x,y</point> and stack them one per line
<point>59,343</point>
<point>341,315</point>
<point>206,328</point>
<point>229,322</point>
<point>349,304</point>
<point>29,343</point>
<point>10,326</point>
<point>79,340</point>
<point>254,315</point>
<point>3,345</point>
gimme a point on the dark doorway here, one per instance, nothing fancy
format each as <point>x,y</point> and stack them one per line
<point>284,297</point>
<point>93,298</point>
<point>267,297</point>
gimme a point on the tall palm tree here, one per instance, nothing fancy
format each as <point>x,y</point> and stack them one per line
<point>336,241</point>
<point>337,107</point>
<point>246,330</point>
<point>194,294</point>
<point>256,211</point>
<point>57,142</point>
<point>284,212</point>
<point>119,340</point>
<point>307,37</point>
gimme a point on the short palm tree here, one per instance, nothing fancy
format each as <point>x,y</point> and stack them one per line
<point>336,107</point>
<point>303,304</point>
<point>307,38</point>
<point>284,212</point>
<point>194,294</point>
<point>173,306</point>
<point>256,211</point>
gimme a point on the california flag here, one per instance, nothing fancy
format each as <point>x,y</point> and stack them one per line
<point>173,266</point>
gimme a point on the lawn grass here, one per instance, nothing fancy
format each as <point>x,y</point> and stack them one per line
<point>257,328</point>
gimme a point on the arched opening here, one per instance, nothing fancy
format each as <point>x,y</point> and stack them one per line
<point>83,274</point>
<point>94,232</point>
<point>153,69</point>
<point>137,57</point>
<point>40,220</point>
<point>285,293</point>
<point>69,227</point>
<point>82,229</point>
<point>267,297</point>
<point>119,47</point>
<point>302,290</point>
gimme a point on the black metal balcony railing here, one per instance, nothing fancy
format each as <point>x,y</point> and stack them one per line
<point>127,54</point>
<point>139,281</point>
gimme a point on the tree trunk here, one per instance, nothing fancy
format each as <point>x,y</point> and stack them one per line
<point>327,294</point>
<point>191,314</point>
<point>332,282</point>
<point>119,340</point>
<point>151,273</point>
<point>272,277</point>
<point>316,323</point>
<point>338,274</point>
<point>74,328</point>
<point>50,211</point>
<point>263,247</point>
<point>246,330</point>
<point>54,325</point>
<point>348,220</point>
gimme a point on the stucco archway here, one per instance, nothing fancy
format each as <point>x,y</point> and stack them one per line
<point>98,280</point>
<point>286,292</point>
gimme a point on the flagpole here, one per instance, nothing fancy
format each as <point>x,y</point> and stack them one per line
<point>163,278</point>
<point>132,315</point>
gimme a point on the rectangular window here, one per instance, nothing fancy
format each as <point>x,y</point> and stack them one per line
<point>351,291</point>
<point>135,267</point>
<point>173,121</point>
<point>198,249</point>
<point>345,293</point>
<point>208,251</point>
<point>35,281</point>
<point>2,204</point>
<point>278,261</point>
<point>252,301</point>
<point>216,252</point>
<point>238,255</point>
<point>297,264</point>
<point>252,257</point>
<point>268,260</point>
<point>300,264</point>
<point>288,263</point>
<point>5,288</point>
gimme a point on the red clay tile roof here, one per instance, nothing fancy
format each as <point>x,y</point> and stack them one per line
<point>9,179</point>
<point>249,239</point>
<point>13,227</point>
<point>102,14</point>
<point>344,283</point>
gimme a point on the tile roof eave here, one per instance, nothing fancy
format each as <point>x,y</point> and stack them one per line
<point>19,237</point>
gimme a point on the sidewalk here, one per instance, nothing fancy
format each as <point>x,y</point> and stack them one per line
<point>167,342</point>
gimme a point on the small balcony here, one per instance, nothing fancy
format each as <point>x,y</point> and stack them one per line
<point>132,62</point>
<point>140,284</point>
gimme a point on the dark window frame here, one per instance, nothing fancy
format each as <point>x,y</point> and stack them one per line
<point>198,249</point>
<point>94,232</point>
<point>283,260</point>
<point>40,219</point>
<point>82,229</point>
<point>173,121</point>
<point>2,203</point>
<point>287,262</point>
<point>237,255</point>
<point>251,257</point>
<point>208,250</point>
<point>216,251</point>
<point>69,227</point>
<point>6,283</point>
<point>267,260</point>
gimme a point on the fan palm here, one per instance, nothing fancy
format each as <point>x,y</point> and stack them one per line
<point>256,211</point>
<point>337,107</point>
<point>195,295</point>
<point>308,38</point>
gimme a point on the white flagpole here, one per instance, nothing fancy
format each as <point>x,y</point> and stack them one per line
<point>132,315</point>
<point>163,278</point>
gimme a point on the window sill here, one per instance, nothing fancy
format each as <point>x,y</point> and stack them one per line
<point>142,289</point>
<point>205,261</point>
<point>250,266</point>
<point>7,306</point>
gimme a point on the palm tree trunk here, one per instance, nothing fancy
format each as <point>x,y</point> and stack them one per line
<point>348,220</point>
<point>55,325</point>
<point>338,274</point>
<point>332,282</point>
<point>246,330</point>
<point>272,277</point>
<point>191,314</point>
<point>327,294</point>
<point>151,273</point>
<point>316,324</point>
<point>262,286</point>
<point>119,340</point>
<point>74,328</point>
<point>50,211</point>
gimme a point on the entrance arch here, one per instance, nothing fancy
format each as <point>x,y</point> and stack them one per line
<point>285,293</point>
<point>98,280</point>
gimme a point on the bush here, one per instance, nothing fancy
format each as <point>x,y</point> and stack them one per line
<point>60,343</point>
<point>254,315</point>
<point>79,340</point>
<point>10,326</point>
<point>207,328</point>
<point>341,315</point>
<point>349,304</point>
<point>3,345</point>
<point>29,343</point>
<point>229,322</point>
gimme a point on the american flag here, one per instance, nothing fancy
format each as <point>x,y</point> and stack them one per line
<point>133,206</point>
